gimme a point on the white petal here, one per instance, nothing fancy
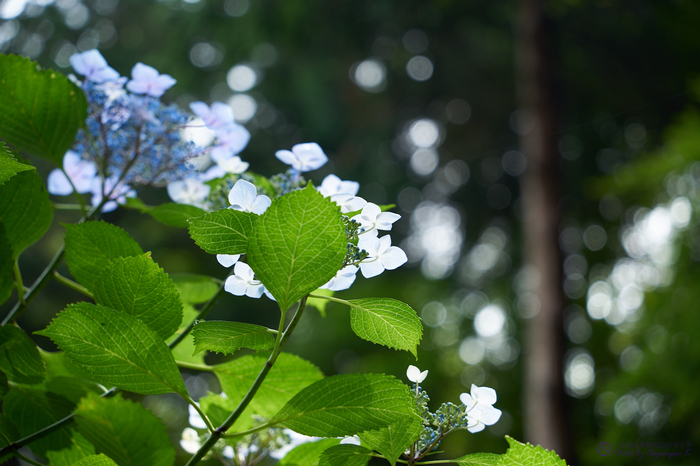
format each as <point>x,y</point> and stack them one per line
<point>58,184</point>
<point>310,155</point>
<point>201,110</point>
<point>233,165</point>
<point>393,258</point>
<point>484,395</point>
<point>227,260</point>
<point>467,400</point>
<point>415,375</point>
<point>386,219</point>
<point>354,440</point>
<point>236,285</point>
<point>244,271</point>
<point>287,157</point>
<point>486,414</point>
<point>255,291</point>
<point>371,244</point>
<point>195,420</point>
<point>476,427</point>
<point>242,195</point>
<point>371,269</point>
<point>261,204</point>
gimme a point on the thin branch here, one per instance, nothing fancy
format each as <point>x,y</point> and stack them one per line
<point>71,284</point>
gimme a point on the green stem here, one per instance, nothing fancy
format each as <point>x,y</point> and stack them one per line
<point>204,417</point>
<point>331,298</point>
<point>59,206</point>
<point>71,284</point>
<point>18,282</point>
<point>195,367</point>
<point>280,341</point>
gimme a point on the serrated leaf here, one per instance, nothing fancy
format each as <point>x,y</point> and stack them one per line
<point>137,286</point>
<point>394,439</point>
<point>224,231</point>
<point>307,454</point>
<point>346,405</point>
<point>228,337</point>
<point>116,349</point>
<point>71,388</point>
<point>40,110</point>
<point>79,448</point>
<point>387,322</point>
<point>525,454</point>
<point>96,460</point>
<point>19,357</point>
<point>193,288</point>
<point>288,376</point>
<point>90,246</point>
<point>345,455</point>
<point>175,215</point>
<point>9,167</point>
<point>125,431</point>
<point>297,245</point>
<point>479,459</point>
<point>7,277</point>
<point>25,210</point>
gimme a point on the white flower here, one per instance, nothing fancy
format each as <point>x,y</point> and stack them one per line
<point>334,185</point>
<point>243,282</point>
<point>343,279</point>
<point>303,157</point>
<point>93,66</point>
<point>348,202</point>
<point>218,117</point>
<point>81,173</point>
<point>415,375</point>
<point>354,440</point>
<point>480,410</point>
<point>230,142</point>
<point>146,80</point>
<point>227,260</point>
<point>233,165</point>
<point>372,219</point>
<point>382,255</point>
<point>189,191</point>
<point>243,197</point>
<point>190,440</point>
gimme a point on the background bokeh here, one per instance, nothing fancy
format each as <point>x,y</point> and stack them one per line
<point>417,101</point>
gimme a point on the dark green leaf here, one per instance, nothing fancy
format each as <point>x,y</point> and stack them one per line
<point>19,357</point>
<point>4,387</point>
<point>7,276</point>
<point>9,431</point>
<point>116,349</point>
<point>524,454</point>
<point>394,439</point>
<point>194,289</point>
<point>125,431</point>
<point>9,167</point>
<point>228,337</point>
<point>297,245</point>
<point>307,454</point>
<point>137,286</point>
<point>479,459</point>
<point>225,231</point>
<point>347,405</point>
<point>387,322</point>
<point>91,245</point>
<point>79,448</point>
<point>345,455</point>
<point>40,110</point>
<point>25,209</point>
<point>175,215</point>
<point>96,460</point>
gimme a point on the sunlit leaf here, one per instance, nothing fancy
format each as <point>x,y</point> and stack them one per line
<point>194,289</point>
<point>394,439</point>
<point>228,337</point>
<point>96,460</point>
<point>307,454</point>
<point>175,215</point>
<point>19,357</point>
<point>79,448</point>
<point>524,454</point>
<point>345,455</point>
<point>224,231</point>
<point>387,322</point>
<point>9,166</point>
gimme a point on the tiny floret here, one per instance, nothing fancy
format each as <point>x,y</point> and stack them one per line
<point>382,255</point>
<point>227,260</point>
<point>334,185</point>
<point>372,219</point>
<point>189,191</point>
<point>243,197</point>
<point>146,80</point>
<point>303,157</point>
<point>415,375</point>
<point>93,66</point>
<point>243,282</point>
<point>479,408</point>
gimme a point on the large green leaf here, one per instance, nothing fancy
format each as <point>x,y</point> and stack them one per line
<point>40,110</point>
<point>125,431</point>
<point>175,215</point>
<point>228,337</point>
<point>90,246</point>
<point>4,387</point>
<point>524,454</point>
<point>394,439</point>
<point>137,286</point>
<point>194,289</point>
<point>479,459</point>
<point>9,167</point>
<point>79,448</point>
<point>297,245</point>
<point>25,209</point>
<point>345,455</point>
<point>96,460</point>
<point>307,454</point>
<point>184,351</point>
<point>7,277</point>
<point>224,231</point>
<point>19,357</point>
<point>386,321</point>
<point>9,431</point>
<point>116,349</point>
<point>346,405</point>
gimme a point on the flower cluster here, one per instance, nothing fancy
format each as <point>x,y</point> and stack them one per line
<point>130,137</point>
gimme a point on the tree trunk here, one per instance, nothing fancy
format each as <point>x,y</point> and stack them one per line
<point>544,394</point>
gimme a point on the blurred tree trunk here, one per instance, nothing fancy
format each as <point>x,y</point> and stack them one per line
<point>544,394</point>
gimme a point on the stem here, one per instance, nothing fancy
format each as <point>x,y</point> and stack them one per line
<point>331,298</point>
<point>58,206</point>
<point>195,367</point>
<point>18,282</point>
<point>204,417</point>
<point>280,341</point>
<point>71,284</point>
<point>27,460</point>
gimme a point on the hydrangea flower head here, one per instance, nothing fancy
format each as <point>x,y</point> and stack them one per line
<point>415,375</point>
<point>93,66</point>
<point>303,157</point>
<point>382,255</point>
<point>243,197</point>
<point>229,143</point>
<point>146,80</point>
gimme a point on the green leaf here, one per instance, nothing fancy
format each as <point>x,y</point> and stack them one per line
<point>387,322</point>
<point>32,409</point>
<point>218,409</point>
<point>345,455</point>
<point>320,303</point>
<point>479,459</point>
<point>228,337</point>
<point>25,209</point>
<point>184,351</point>
<point>116,349</point>
<point>175,215</point>
<point>346,405</point>
<point>297,245</point>
<point>9,167</point>
<point>90,246</point>
<point>96,460</point>
<point>224,231</point>
<point>194,289</point>
<point>137,286</point>
<point>8,430</point>
<point>40,110</point>
<point>394,439</point>
<point>7,276</point>
<point>4,387</point>
<point>288,376</point>
<point>524,454</point>
<point>307,454</point>
<point>19,357</point>
<point>125,431</point>
<point>79,448</point>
